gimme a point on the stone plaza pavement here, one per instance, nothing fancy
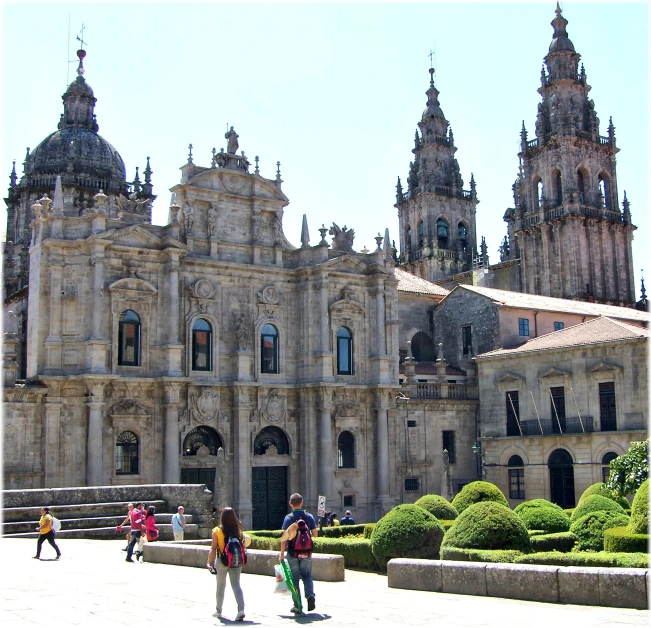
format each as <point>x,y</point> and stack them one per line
<point>92,585</point>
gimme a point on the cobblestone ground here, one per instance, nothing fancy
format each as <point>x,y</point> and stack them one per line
<point>92,585</point>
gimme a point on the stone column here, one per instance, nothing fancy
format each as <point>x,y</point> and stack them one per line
<point>381,346</point>
<point>97,259</point>
<point>95,445</point>
<point>324,314</point>
<point>614,231</point>
<point>325,446</point>
<point>171,461</point>
<point>51,465</point>
<point>546,262</point>
<point>173,347</point>
<point>382,451</point>
<point>242,486</point>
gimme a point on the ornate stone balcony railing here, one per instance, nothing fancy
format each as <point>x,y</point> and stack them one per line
<point>446,391</point>
<point>569,425</point>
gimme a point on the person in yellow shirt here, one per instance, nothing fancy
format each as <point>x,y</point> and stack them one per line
<point>46,533</point>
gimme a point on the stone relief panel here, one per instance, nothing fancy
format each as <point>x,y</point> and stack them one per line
<point>204,405</point>
<point>273,406</point>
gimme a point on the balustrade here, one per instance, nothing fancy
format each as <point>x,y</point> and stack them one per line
<point>569,425</point>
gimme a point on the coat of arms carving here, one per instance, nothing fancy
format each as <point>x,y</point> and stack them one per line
<point>273,407</point>
<point>204,407</point>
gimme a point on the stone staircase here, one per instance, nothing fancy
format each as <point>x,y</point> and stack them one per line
<point>87,518</point>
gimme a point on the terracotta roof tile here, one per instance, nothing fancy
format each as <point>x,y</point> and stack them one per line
<point>596,331</point>
<point>410,283</point>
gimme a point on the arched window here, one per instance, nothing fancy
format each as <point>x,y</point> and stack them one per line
<point>408,238</point>
<point>271,436</point>
<point>422,347</point>
<point>540,193</point>
<point>516,478</point>
<point>344,351</point>
<point>561,478</point>
<point>580,185</point>
<point>126,454</point>
<point>606,460</point>
<point>269,349</point>
<point>201,436</point>
<point>346,451</point>
<point>201,345</point>
<point>558,187</point>
<point>463,233</point>
<point>421,234</point>
<point>442,229</point>
<point>603,189</point>
<point>129,339</point>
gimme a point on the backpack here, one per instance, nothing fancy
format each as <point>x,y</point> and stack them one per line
<point>234,554</point>
<point>56,524</point>
<point>302,543</point>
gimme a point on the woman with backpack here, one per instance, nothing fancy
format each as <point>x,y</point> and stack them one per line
<point>228,543</point>
<point>46,533</point>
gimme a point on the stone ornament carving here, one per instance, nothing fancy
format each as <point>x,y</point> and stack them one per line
<point>129,406</point>
<point>273,407</point>
<point>12,444</point>
<point>188,217</point>
<point>212,220</point>
<point>204,407</point>
<point>242,328</point>
<point>202,289</point>
<point>132,205</point>
<point>343,238</point>
<point>269,295</point>
<point>345,409</point>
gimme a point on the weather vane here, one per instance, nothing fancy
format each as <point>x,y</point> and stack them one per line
<point>81,39</point>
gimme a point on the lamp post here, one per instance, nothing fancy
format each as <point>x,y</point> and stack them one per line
<point>481,471</point>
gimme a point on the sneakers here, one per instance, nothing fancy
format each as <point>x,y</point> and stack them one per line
<point>295,611</point>
<point>58,556</point>
<point>139,556</point>
<point>239,616</point>
<point>129,560</point>
<point>217,615</point>
<point>311,603</point>
<point>37,557</point>
<point>125,549</point>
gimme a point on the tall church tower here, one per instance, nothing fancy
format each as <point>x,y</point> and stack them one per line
<point>437,216</point>
<point>566,227</point>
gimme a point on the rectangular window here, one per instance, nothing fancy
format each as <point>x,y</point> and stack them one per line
<point>466,336</point>
<point>411,423</point>
<point>605,474</point>
<point>558,325</point>
<point>512,413</point>
<point>349,501</point>
<point>607,409</point>
<point>523,326</point>
<point>412,485</point>
<point>516,484</point>
<point>448,443</point>
<point>557,409</point>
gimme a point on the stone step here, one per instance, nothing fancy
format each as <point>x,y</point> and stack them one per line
<point>164,531</point>
<point>17,527</point>
<point>76,511</point>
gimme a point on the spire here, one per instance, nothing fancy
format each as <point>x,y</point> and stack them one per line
<point>305,235</point>
<point>388,253</point>
<point>136,182</point>
<point>190,154</point>
<point>642,288</point>
<point>399,193</point>
<point>626,214</point>
<point>57,203</point>
<point>13,177</point>
<point>79,101</point>
<point>473,185</point>
<point>148,172</point>
<point>611,131</point>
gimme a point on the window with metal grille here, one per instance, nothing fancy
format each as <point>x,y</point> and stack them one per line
<point>129,339</point>
<point>516,478</point>
<point>448,443</point>
<point>606,460</point>
<point>411,423</point>
<point>344,351</point>
<point>201,345</point>
<point>558,325</point>
<point>557,409</point>
<point>523,326</point>
<point>466,337</point>
<point>126,454</point>
<point>512,413</point>
<point>412,485</point>
<point>346,450</point>
<point>269,349</point>
<point>607,408</point>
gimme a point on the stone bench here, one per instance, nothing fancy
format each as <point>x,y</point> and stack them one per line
<point>592,586</point>
<point>76,511</point>
<point>327,567</point>
<point>110,533</point>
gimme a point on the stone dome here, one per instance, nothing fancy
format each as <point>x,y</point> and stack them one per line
<point>561,43</point>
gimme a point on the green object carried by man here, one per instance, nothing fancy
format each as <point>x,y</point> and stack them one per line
<point>287,575</point>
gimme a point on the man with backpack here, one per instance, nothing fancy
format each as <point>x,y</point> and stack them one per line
<point>300,528</point>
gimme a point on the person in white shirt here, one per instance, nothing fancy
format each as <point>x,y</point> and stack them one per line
<point>178,524</point>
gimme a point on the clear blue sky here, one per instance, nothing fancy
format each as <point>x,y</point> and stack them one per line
<point>332,91</point>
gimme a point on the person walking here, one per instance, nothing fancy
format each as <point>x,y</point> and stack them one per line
<point>137,523</point>
<point>348,519</point>
<point>126,520</point>
<point>178,524</point>
<point>46,533</point>
<point>301,566</point>
<point>229,528</point>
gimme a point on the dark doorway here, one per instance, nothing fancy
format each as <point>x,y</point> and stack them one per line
<point>269,497</point>
<point>561,478</point>
<point>199,476</point>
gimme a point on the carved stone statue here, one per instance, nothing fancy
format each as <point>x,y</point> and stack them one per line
<point>188,217</point>
<point>233,144</point>
<point>212,220</point>
<point>241,327</point>
<point>132,204</point>
<point>343,238</point>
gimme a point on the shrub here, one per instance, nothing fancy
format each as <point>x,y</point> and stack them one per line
<point>438,506</point>
<point>476,492</point>
<point>620,540</point>
<point>536,532</point>
<point>356,551</point>
<point>406,531</point>
<point>600,489</point>
<point>539,514</point>
<point>488,525</point>
<point>639,523</point>
<point>628,472</point>
<point>481,556</point>
<point>560,541</point>
<point>591,559</point>
<point>447,523</point>
<point>589,529</point>
<point>264,542</point>
<point>368,530</point>
<point>594,503</point>
<point>356,529</point>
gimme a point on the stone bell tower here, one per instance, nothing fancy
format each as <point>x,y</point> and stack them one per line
<point>438,236</point>
<point>566,227</point>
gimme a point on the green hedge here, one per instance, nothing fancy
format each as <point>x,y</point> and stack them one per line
<point>263,542</point>
<point>481,556</point>
<point>588,559</point>
<point>438,506</point>
<point>537,532</point>
<point>368,530</point>
<point>594,503</point>
<point>600,489</point>
<point>559,541</point>
<point>540,514</point>
<point>356,551</point>
<point>477,492</point>
<point>589,529</point>
<point>639,523</point>
<point>620,540</point>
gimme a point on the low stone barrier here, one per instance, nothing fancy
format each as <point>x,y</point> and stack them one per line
<point>591,586</point>
<point>328,567</point>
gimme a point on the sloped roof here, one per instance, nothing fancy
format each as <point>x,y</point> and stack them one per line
<point>410,283</point>
<point>596,331</point>
<point>508,298</point>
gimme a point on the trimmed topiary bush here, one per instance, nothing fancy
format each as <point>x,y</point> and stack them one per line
<point>438,506</point>
<point>406,531</point>
<point>590,559</point>
<point>589,529</point>
<point>480,556</point>
<point>368,530</point>
<point>620,540</point>
<point>559,541</point>
<point>594,503</point>
<point>476,492</point>
<point>639,523</point>
<point>599,488</point>
<point>488,525</point>
<point>539,514</point>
